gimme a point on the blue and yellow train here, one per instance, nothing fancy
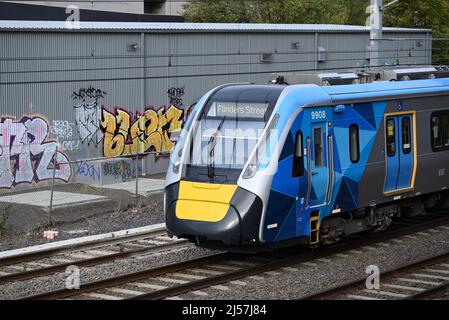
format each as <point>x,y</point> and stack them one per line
<point>265,166</point>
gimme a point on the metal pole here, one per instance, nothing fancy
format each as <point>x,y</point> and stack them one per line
<point>142,102</point>
<point>142,90</point>
<point>316,50</point>
<point>52,187</point>
<point>136,167</point>
<point>376,24</point>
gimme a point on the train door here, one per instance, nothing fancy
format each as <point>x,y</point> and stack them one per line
<point>400,152</point>
<point>319,160</point>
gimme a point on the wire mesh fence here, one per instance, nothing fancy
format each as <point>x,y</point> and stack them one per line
<point>66,190</point>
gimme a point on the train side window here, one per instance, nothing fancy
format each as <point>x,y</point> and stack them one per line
<point>440,131</point>
<point>318,147</point>
<point>298,158</point>
<point>391,138</point>
<point>406,136</point>
<point>354,143</point>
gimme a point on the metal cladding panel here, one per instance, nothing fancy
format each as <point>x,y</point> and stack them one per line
<point>136,67</point>
<point>49,66</point>
<point>213,27</point>
<point>45,69</point>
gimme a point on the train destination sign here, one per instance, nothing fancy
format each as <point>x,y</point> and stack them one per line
<point>241,110</point>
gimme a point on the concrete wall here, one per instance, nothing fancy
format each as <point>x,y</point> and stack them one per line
<point>110,5</point>
<point>86,95</point>
<point>168,7</point>
<point>165,8</point>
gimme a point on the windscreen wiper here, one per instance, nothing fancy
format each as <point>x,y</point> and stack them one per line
<point>211,151</point>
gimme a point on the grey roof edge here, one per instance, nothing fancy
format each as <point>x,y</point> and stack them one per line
<point>15,25</point>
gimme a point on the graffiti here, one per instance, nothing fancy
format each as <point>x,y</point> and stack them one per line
<point>175,96</point>
<point>70,145</point>
<point>190,109</point>
<point>62,129</point>
<point>125,133</point>
<point>148,132</point>
<point>120,169</point>
<point>88,115</point>
<point>26,155</point>
<point>87,170</point>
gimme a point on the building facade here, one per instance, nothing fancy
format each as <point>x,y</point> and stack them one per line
<point>162,7</point>
<point>70,93</point>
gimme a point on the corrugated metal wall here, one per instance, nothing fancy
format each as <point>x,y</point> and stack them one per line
<point>40,70</point>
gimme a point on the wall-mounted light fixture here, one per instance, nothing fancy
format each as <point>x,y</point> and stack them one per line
<point>295,45</point>
<point>132,46</point>
<point>266,57</point>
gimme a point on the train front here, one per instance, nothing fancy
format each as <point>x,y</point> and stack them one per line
<point>220,149</point>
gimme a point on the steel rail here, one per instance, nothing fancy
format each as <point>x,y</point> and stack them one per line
<point>215,280</point>
<point>79,246</point>
<point>88,262</point>
<point>349,287</point>
<point>127,278</point>
<point>326,252</point>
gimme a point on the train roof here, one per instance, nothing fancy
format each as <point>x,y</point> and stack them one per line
<point>378,91</point>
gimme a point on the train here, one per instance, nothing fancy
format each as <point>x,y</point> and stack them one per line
<point>260,167</point>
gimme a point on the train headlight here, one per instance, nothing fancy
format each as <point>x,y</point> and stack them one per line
<point>250,171</point>
<point>176,166</point>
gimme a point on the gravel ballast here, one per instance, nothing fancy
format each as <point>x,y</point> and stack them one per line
<point>290,283</point>
<point>151,212</point>
<point>306,279</point>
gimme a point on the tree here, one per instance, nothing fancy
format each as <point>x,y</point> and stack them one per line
<point>267,11</point>
<point>432,14</point>
<point>357,12</point>
<point>316,11</point>
<point>406,13</point>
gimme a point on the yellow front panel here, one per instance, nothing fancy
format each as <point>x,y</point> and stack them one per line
<point>201,210</point>
<point>203,201</point>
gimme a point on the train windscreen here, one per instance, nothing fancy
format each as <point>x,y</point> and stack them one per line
<point>228,131</point>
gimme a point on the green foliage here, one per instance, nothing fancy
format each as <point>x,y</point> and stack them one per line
<point>432,14</point>
<point>429,14</point>
<point>275,11</point>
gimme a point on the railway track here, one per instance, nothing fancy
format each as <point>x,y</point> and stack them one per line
<point>421,280</point>
<point>222,270</point>
<point>84,254</point>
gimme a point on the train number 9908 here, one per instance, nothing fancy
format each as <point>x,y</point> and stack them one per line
<point>317,115</point>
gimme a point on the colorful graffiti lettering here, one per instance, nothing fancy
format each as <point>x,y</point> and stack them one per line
<point>87,170</point>
<point>148,132</point>
<point>26,155</point>
<point>88,115</point>
<point>119,169</point>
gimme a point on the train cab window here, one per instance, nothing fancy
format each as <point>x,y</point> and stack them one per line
<point>354,143</point>
<point>298,158</point>
<point>391,138</point>
<point>406,136</point>
<point>318,147</point>
<point>440,131</point>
